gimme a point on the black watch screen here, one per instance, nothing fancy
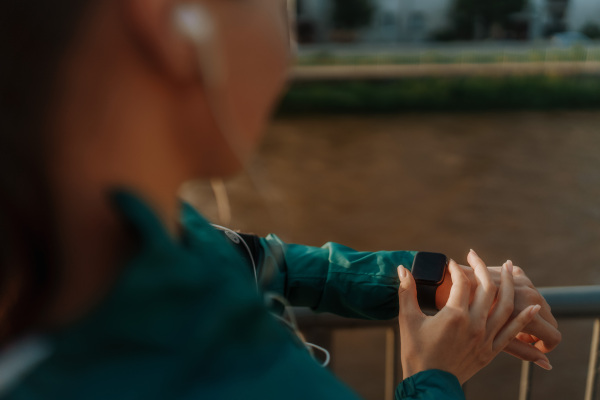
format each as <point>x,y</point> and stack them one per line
<point>429,268</point>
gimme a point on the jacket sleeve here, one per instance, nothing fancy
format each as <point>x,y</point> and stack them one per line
<point>337,279</point>
<point>430,385</point>
<point>334,278</point>
<point>254,351</point>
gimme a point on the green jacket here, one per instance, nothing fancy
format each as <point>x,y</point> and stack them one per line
<point>185,321</point>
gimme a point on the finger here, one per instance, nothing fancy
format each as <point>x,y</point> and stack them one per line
<point>461,288</point>
<point>504,307</point>
<point>533,296</point>
<point>549,337</point>
<point>526,352</point>
<point>526,338</point>
<point>496,274</point>
<point>546,312</point>
<point>511,329</point>
<point>522,280</point>
<point>407,297</point>
<point>518,271</point>
<point>486,290</point>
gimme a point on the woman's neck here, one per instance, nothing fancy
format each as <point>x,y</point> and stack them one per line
<point>108,135</point>
<point>93,239</point>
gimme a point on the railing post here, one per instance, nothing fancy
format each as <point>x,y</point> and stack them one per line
<point>392,353</point>
<point>592,377</point>
<point>525,386</point>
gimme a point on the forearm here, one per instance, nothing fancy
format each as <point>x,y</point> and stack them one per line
<point>335,278</point>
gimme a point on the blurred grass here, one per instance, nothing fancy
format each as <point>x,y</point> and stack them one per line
<point>443,94</point>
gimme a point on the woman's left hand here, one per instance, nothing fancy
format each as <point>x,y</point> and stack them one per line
<point>542,331</point>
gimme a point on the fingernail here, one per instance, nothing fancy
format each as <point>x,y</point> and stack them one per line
<point>534,310</point>
<point>544,364</point>
<point>509,266</point>
<point>473,251</point>
<point>402,272</point>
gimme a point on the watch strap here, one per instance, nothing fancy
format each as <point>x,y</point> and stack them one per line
<point>426,297</point>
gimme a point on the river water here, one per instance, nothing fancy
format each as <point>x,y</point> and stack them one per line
<point>524,186</point>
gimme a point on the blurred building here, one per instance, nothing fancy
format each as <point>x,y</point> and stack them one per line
<point>419,20</point>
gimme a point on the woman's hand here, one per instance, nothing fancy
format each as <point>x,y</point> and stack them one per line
<point>463,337</point>
<point>542,331</point>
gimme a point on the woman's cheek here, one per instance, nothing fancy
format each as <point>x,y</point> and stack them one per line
<point>258,71</point>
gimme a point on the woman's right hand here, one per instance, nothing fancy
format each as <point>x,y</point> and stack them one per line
<point>461,339</point>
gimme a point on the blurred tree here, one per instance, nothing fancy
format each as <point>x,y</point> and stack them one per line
<point>591,30</point>
<point>474,19</point>
<point>352,14</point>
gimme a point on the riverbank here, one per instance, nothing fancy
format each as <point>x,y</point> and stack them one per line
<point>443,93</point>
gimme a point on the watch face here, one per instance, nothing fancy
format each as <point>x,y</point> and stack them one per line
<point>429,268</point>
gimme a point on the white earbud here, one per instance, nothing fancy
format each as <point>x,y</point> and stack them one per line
<point>194,22</point>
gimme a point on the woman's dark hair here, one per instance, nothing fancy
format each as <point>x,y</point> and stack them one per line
<point>34,36</point>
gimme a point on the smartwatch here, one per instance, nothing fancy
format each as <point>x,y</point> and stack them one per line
<point>428,270</point>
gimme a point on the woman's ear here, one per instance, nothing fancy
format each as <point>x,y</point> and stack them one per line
<point>156,26</point>
<point>195,22</point>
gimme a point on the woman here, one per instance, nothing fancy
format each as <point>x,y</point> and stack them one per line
<point>107,106</point>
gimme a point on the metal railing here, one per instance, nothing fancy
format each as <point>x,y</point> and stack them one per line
<point>575,302</point>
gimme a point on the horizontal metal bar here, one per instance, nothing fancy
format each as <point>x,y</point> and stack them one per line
<point>566,302</point>
<point>573,301</point>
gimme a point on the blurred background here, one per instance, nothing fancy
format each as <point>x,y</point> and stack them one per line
<point>439,125</point>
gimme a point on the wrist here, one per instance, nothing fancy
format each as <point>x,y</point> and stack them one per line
<point>429,272</point>
<point>443,291</point>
